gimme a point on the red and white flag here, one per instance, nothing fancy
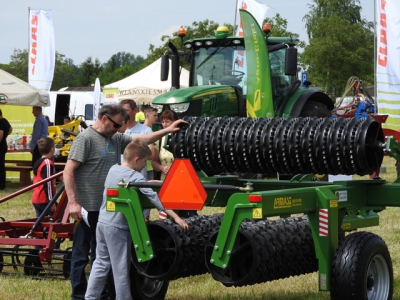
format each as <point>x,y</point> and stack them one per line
<point>388,61</point>
<point>257,9</point>
<point>259,12</point>
<point>41,49</point>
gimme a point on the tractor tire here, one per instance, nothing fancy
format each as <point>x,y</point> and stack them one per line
<point>362,269</point>
<point>142,287</point>
<point>315,109</point>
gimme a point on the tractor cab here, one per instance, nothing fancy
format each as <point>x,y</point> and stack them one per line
<point>218,75</point>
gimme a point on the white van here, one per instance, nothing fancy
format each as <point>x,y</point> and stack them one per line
<point>70,103</point>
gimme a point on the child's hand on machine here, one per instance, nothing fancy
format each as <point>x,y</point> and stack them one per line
<point>182,223</point>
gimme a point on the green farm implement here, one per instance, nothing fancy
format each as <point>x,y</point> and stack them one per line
<point>245,245</point>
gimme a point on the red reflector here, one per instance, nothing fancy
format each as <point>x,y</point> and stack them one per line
<point>112,193</point>
<point>255,198</point>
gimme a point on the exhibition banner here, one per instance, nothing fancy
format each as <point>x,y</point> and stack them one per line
<point>258,87</point>
<point>388,61</point>
<point>41,49</point>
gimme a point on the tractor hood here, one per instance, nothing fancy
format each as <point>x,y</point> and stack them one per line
<point>205,93</point>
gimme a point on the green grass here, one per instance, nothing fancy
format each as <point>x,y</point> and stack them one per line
<point>203,287</point>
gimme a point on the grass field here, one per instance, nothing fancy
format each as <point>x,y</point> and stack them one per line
<point>202,287</point>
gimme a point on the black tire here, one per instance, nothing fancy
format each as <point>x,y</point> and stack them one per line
<point>362,269</point>
<point>167,250</point>
<point>32,264</point>
<point>315,109</point>
<point>142,287</point>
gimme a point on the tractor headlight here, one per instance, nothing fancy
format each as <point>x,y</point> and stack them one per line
<point>179,108</point>
<point>158,107</point>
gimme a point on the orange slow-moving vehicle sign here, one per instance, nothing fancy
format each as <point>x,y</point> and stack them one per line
<point>182,189</point>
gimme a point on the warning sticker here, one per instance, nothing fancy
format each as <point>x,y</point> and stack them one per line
<point>257,213</point>
<point>110,206</point>
<point>333,203</point>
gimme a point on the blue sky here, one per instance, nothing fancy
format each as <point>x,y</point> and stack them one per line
<point>101,28</point>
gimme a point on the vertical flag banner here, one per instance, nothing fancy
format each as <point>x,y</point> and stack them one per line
<point>41,49</point>
<point>259,12</point>
<point>388,61</point>
<point>97,99</point>
<point>258,88</point>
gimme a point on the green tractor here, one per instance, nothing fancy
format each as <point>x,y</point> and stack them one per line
<point>254,75</point>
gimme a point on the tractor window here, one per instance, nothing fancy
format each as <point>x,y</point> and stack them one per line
<point>279,81</point>
<point>218,66</point>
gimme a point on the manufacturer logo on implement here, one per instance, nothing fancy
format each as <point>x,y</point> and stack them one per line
<point>282,202</point>
<point>286,202</point>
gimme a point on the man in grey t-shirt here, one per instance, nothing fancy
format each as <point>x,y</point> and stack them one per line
<point>92,154</point>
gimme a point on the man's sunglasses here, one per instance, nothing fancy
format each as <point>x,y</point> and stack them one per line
<point>116,125</point>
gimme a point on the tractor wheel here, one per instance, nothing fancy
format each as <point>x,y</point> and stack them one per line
<point>32,264</point>
<point>315,109</point>
<point>362,269</point>
<point>142,287</point>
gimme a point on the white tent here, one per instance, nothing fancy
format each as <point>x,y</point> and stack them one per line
<point>14,91</point>
<point>145,84</point>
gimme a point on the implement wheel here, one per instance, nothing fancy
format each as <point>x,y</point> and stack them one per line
<point>362,269</point>
<point>142,287</point>
<point>244,261</point>
<point>166,244</point>
<point>32,264</point>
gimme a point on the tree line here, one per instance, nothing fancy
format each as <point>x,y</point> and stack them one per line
<point>341,45</point>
